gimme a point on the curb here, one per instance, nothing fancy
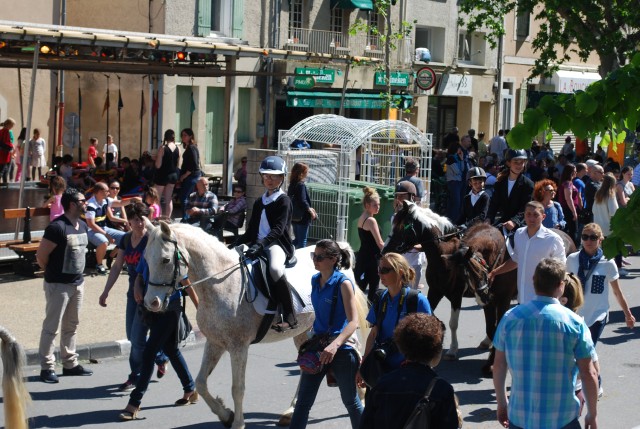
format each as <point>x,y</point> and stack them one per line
<point>111,349</point>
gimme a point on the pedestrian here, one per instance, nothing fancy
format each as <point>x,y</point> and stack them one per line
<point>131,250</point>
<point>6,149</point>
<point>336,314</point>
<point>541,343</point>
<point>455,174</point>
<point>625,188</point>
<point>18,154</point>
<point>511,192</point>
<point>201,205</point>
<point>596,274</point>
<point>302,213</point>
<point>592,182</point>
<point>231,216</point>
<point>37,156</point>
<point>166,171</point>
<point>116,216</point>
<point>110,148</point>
<point>152,200</point>
<point>416,258</point>
<point>163,335</point>
<point>570,201</point>
<point>391,305</point>
<point>543,192</point>
<point>92,152</point>
<point>531,244</point>
<point>61,254</point>
<point>267,234</point>
<point>241,173</point>
<point>54,203</point>
<point>190,170</point>
<point>605,206</point>
<point>498,145</point>
<point>419,338</point>
<point>412,171</point>
<point>371,243</point>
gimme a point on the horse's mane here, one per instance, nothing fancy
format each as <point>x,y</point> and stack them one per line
<point>431,219</point>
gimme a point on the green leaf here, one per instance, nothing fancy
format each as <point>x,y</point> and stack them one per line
<point>519,137</point>
<point>622,135</point>
<point>606,140</point>
<point>561,123</point>
<point>586,104</point>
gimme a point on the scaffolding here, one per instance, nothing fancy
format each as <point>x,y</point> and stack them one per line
<point>343,150</point>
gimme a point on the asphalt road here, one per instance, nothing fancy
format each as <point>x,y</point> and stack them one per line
<point>93,402</point>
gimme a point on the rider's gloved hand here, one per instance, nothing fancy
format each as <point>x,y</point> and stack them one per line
<point>253,251</point>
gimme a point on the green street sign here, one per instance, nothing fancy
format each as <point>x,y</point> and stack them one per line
<point>397,79</point>
<point>321,75</point>
<point>304,82</point>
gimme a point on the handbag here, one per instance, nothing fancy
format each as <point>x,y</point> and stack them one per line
<point>309,352</point>
<point>184,326</point>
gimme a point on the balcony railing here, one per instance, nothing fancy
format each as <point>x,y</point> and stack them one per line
<point>335,43</point>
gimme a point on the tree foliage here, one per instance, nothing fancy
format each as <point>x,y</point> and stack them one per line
<point>607,108</point>
<point>611,28</point>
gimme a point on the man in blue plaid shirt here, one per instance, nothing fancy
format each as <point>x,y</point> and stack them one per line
<point>544,345</point>
<point>202,204</point>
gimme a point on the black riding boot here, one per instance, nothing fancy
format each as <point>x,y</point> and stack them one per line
<point>283,296</point>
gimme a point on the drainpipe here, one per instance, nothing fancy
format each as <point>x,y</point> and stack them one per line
<point>63,21</point>
<point>274,42</point>
<point>498,114</point>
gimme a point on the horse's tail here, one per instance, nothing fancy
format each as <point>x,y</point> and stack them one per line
<point>362,305</point>
<point>16,396</point>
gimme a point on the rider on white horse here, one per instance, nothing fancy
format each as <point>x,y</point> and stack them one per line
<point>268,233</point>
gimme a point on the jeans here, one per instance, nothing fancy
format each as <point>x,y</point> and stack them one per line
<point>345,365</point>
<point>573,424</point>
<point>162,336</point>
<point>301,231</point>
<point>597,328</point>
<point>187,187</point>
<point>137,335</point>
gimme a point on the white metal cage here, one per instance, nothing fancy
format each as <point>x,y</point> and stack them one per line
<point>343,150</point>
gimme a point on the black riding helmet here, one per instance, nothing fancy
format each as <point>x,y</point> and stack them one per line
<point>516,154</point>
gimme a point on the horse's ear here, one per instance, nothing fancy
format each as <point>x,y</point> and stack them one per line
<point>407,204</point>
<point>164,227</point>
<point>469,253</point>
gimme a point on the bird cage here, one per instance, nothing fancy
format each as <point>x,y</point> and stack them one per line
<point>343,156</point>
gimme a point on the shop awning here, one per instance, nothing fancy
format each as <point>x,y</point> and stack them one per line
<point>352,4</point>
<point>569,81</point>
<point>352,100</point>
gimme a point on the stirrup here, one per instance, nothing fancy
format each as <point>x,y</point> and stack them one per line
<point>284,326</point>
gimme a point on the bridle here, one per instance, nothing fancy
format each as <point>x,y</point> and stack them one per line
<point>177,259</point>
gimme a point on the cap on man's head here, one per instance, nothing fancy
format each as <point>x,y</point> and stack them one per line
<point>411,165</point>
<point>406,187</point>
<point>591,162</point>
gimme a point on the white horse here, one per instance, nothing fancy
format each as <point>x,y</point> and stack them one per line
<point>15,394</point>
<point>225,316</point>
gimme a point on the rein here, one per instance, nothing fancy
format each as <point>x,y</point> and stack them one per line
<point>176,269</point>
<point>458,233</point>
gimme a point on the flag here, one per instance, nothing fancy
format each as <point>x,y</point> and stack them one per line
<point>155,104</point>
<point>193,103</point>
<point>143,107</point>
<point>120,103</point>
<point>106,104</point>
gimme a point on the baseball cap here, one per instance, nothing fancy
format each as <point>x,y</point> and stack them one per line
<point>591,162</point>
<point>405,186</point>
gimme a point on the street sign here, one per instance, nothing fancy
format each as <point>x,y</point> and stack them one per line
<point>426,78</point>
<point>304,82</point>
<point>397,79</point>
<point>321,75</point>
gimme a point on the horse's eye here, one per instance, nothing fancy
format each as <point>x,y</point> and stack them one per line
<point>165,260</point>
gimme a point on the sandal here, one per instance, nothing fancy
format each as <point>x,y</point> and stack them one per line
<point>127,415</point>
<point>192,399</point>
<point>284,326</point>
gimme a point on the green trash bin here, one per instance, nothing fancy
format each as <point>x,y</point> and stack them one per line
<point>387,195</point>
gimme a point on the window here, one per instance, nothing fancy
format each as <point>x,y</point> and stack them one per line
<point>471,48</point>
<point>336,20</point>
<point>432,38</point>
<point>244,115</point>
<point>523,22</point>
<point>296,21</point>
<point>464,47</point>
<point>375,29</point>
<point>221,16</point>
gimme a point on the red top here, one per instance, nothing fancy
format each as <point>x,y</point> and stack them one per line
<point>5,155</point>
<point>92,152</point>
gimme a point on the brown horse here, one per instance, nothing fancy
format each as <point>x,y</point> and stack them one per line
<point>458,265</point>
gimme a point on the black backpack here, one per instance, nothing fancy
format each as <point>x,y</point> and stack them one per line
<point>412,302</point>
<point>420,418</point>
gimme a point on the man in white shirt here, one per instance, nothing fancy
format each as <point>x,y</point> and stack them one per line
<point>532,243</point>
<point>498,145</point>
<point>110,147</point>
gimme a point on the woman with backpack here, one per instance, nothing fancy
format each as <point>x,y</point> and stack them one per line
<point>388,308</point>
<point>398,394</point>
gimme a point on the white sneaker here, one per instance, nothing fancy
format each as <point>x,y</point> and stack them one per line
<point>600,392</point>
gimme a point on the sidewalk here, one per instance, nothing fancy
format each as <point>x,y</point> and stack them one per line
<point>101,333</point>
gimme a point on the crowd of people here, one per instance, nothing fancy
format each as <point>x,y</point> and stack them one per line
<point>405,341</point>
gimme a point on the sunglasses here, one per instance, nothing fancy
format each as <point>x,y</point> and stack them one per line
<point>319,258</point>
<point>384,270</point>
<point>550,190</point>
<point>114,187</point>
<point>587,237</point>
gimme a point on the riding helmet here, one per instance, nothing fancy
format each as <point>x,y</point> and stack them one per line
<point>273,165</point>
<point>516,154</point>
<point>476,173</point>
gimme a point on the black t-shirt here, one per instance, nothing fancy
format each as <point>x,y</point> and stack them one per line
<point>66,261</point>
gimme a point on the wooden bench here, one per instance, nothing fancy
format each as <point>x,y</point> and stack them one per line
<point>27,247</point>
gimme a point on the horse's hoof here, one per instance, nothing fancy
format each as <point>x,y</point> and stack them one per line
<point>229,422</point>
<point>485,344</point>
<point>450,356</point>
<point>285,420</point>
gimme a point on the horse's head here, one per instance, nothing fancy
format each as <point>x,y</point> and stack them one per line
<point>168,264</point>
<point>468,272</point>
<point>415,225</point>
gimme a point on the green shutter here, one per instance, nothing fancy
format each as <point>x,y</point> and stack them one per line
<point>183,107</point>
<point>244,115</point>
<point>204,18</point>
<point>215,125</point>
<point>238,18</point>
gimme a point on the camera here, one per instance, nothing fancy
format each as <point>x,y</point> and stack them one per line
<point>383,350</point>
